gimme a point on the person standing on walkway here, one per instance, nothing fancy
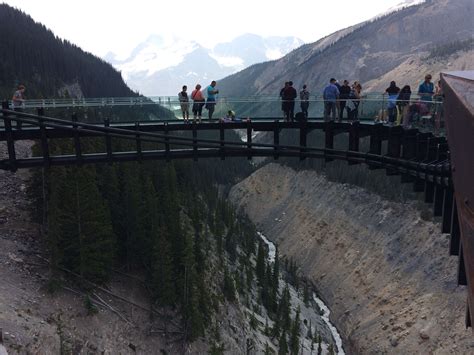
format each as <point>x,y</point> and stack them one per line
<point>211,98</point>
<point>438,111</point>
<point>304,104</point>
<point>283,103</point>
<point>18,100</point>
<point>198,102</point>
<point>289,96</point>
<point>392,91</point>
<point>330,96</point>
<point>344,93</point>
<point>403,103</point>
<point>426,90</point>
<point>184,102</point>
<point>355,96</point>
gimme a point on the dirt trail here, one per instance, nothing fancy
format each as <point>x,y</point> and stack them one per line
<point>384,272</point>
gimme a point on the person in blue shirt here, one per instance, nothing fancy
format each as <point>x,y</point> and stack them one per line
<point>330,96</point>
<point>426,89</point>
<point>211,98</point>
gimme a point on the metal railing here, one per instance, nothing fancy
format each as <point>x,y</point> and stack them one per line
<point>425,115</point>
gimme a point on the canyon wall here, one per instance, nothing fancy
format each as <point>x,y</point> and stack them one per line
<point>383,270</point>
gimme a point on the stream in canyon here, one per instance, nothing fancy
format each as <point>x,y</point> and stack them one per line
<point>324,315</point>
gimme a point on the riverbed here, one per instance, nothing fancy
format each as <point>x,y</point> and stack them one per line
<point>306,312</point>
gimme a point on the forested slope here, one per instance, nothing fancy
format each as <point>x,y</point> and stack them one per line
<point>32,55</point>
<point>164,221</point>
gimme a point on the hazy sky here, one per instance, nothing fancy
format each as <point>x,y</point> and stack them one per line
<point>118,26</point>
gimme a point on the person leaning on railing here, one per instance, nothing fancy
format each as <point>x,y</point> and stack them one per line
<point>18,101</point>
<point>354,100</point>
<point>330,96</point>
<point>392,92</point>
<point>403,103</point>
<point>426,90</point>
<point>198,103</point>
<point>438,113</point>
<point>184,103</point>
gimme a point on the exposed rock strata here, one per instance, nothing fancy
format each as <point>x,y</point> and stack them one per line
<point>384,272</point>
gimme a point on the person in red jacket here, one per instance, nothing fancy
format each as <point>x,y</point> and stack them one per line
<point>198,102</point>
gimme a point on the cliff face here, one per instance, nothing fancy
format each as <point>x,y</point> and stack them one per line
<point>383,270</point>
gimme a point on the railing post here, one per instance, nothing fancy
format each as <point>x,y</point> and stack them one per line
<point>44,137</point>
<point>354,137</point>
<point>408,151</point>
<point>77,141</point>
<point>431,151</point>
<point>329,138</point>
<point>375,145</point>
<point>276,139</point>
<point>462,277</point>
<point>441,156</point>
<point>421,148</point>
<point>108,141</point>
<point>9,135</point>
<point>195,148</point>
<point>222,140</point>
<point>249,140</point>
<point>394,146</point>
<point>455,232</point>
<point>303,139</point>
<point>138,140</point>
<point>167,142</point>
<point>448,199</point>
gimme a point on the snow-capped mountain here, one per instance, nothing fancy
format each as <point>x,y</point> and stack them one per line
<point>161,65</point>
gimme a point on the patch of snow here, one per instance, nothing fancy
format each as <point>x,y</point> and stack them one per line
<point>228,61</point>
<point>273,53</point>
<point>401,5</point>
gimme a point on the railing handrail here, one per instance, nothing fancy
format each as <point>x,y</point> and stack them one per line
<point>173,100</point>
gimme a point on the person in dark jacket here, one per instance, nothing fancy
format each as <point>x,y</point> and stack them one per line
<point>403,102</point>
<point>344,93</point>
<point>283,104</point>
<point>289,96</point>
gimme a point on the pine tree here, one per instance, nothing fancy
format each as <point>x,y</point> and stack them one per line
<point>284,310</point>
<point>162,271</point>
<point>194,319</point>
<point>268,350</point>
<point>249,277</point>
<point>306,294</point>
<point>331,349</point>
<point>276,272</point>
<point>228,287</point>
<point>260,266</point>
<point>295,334</point>
<point>282,345</point>
<point>83,230</point>
<point>320,348</point>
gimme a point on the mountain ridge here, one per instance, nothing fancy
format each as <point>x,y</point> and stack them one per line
<point>362,52</point>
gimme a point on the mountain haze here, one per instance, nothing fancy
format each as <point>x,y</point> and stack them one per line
<point>368,51</point>
<point>161,65</point>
